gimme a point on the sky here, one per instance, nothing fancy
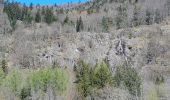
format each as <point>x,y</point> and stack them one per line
<point>47,1</point>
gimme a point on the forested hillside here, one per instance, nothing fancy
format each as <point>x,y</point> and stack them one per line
<point>97,50</point>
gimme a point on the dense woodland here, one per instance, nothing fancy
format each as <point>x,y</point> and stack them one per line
<point>109,14</point>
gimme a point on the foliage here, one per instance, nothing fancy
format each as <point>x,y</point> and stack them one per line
<point>49,16</point>
<point>159,79</point>
<point>28,19</point>
<point>38,16</point>
<point>157,18</point>
<point>43,78</point>
<point>136,19</point>
<point>102,75</point>
<point>106,23</point>
<point>24,13</point>
<point>59,79</point>
<point>88,79</point>
<point>149,17</point>
<point>153,95</point>
<point>2,76</point>
<point>66,20</point>
<point>83,79</point>
<point>129,78</point>
<point>4,66</point>
<point>121,17</point>
<point>25,92</point>
<point>13,81</point>
<point>79,25</point>
<point>37,80</point>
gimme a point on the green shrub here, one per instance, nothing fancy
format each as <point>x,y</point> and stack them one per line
<point>13,81</point>
<point>43,78</point>
<point>83,79</point>
<point>59,79</point>
<point>4,66</point>
<point>37,80</point>
<point>89,79</point>
<point>158,78</point>
<point>2,76</point>
<point>128,77</point>
<point>25,92</point>
<point>102,75</point>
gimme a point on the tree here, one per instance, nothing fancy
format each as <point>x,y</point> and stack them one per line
<point>149,18</point>
<point>105,24</point>
<point>79,25</point>
<point>135,20</point>
<point>83,79</point>
<point>49,16</point>
<point>4,66</point>
<point>28,18</point>
<point>102,75</point>
<point>89,79</point>
<point>157,16</point>
<point>31,6</point>
<point>66,20</point>
<point>121,17</point>
<point>38,16</point>
<point>13,11</point>
<point>13,23</point>
<point>129,78</point>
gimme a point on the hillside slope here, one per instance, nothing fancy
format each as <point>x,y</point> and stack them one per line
<point>89,33</point>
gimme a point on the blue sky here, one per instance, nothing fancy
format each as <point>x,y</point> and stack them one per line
<point>47,1</point>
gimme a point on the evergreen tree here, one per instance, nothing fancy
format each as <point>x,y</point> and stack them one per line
<point>149,18</point>
<point>89,78</point>
<point>38,17</point>
<point>4,66</point>
<point>83,79</point>
<point>13,23</point>
<point>43,11</point>
<point>102,75</point>
<point>135,20</point>
<point>28,18</point>
<point>31,6</point>
<point>66,20</point>
<point>129,78</point>
<point>25,12</point>
<point>157,18</point>
<point>121,18</point>
<point>106,23</point>
<point>79,25</point>
<point>13,11</point>
<point>49,16</point>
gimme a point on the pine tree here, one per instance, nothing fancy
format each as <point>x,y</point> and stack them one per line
<point>4,66</point>
<point>28,18</point>
<point>31,6</point>
<point>157,18</point>
<point>79,25</point>
<point>13,23</point>
<point>121,18</point>
<point>135,20</point>
<point>105,24</point>
<point>49,16</point>
<point>102,75</point>
<point>83,78</point>
<point>38,16</point>
<point>149,18</point>
<point>66,20</point>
